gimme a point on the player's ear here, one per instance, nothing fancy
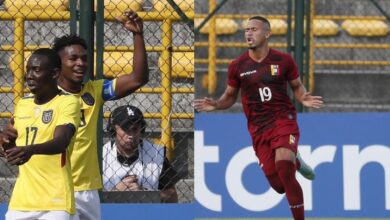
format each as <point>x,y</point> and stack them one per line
<point>268,35</point>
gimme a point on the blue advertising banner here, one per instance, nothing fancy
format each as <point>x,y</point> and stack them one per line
<point>350,153</point>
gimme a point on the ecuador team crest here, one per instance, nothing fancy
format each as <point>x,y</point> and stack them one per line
<point>47,116</point>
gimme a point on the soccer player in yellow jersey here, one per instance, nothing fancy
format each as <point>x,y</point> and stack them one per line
<point>46,122</point>
<point>92,95</point>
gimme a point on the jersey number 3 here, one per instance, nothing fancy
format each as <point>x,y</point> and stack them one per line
<point>265,94</point>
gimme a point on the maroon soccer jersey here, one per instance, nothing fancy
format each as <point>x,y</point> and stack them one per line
<point>264,88</point>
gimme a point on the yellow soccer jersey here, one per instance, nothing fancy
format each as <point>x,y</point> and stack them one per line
<point>45,181</point>
<point>84,158</point>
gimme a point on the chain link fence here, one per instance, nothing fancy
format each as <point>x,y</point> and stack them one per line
<point>165,100</point>
<point>348,48</point>
<point>352,54</point>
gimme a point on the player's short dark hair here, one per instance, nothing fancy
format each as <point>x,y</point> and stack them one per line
<point>52,56</point>
<point>262,19</point>
<point>68,40</point>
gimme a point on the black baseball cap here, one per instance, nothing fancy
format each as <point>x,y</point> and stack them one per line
<point>127,115</point>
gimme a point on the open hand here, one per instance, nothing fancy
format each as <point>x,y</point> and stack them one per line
<point>9,130</point>
<point>205,105</point>
<point>18,155</point>
<point>311,101</point>
<point>7,137</point>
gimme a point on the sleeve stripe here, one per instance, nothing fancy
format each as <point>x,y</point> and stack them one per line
<point>108,91</point>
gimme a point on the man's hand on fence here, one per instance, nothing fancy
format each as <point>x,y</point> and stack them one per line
<point>132,22</point>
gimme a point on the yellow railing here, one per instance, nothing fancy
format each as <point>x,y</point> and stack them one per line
<point>212,74</point>
<point>319,62</point>
<point>212,44</point>
<point>329,17</point>
<point>166,70</point>
<point>316,45</point>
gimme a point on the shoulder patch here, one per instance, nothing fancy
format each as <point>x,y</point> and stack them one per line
<point>88,99</point>
<point>47,116</point>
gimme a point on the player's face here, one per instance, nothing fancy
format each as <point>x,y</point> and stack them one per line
<point>128,140</point>
<point>256,33</point>
<point>74,63</point>
<point>39,74</point>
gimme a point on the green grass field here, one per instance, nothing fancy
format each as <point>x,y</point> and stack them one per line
<point>291,219</point>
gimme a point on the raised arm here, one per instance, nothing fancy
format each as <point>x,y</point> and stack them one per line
<point>62,137</point>
<point>227,99</point>
<point>305,97</point>
<point>129,83</point>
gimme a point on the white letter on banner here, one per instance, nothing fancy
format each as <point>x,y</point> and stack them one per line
<point>240,195</point>
<point>322,154</point>
<point>353,162</point>
<point>205,154</point>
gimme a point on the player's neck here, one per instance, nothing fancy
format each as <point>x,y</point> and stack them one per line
<point>258,54</point>
<point>45,97</point>
<point>68,86</point>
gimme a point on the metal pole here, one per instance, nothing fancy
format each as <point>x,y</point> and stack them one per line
<point>166,83</point>
<point>99,38</point>
<point>289,28</point>
<point>311,49</point>
<point>73,16</point>
<point>99,73</point>
<point>298,40</point>
<point>212,75</point>
<point>307,48</point>
<point>86,31</point>
<point>19,58</point>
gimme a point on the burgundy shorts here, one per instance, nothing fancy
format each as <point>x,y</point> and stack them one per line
<point>284,134</point>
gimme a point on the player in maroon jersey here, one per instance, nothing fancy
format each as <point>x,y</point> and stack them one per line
<point>262,75</point>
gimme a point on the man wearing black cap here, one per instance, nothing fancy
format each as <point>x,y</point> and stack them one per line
<point>131,163</point>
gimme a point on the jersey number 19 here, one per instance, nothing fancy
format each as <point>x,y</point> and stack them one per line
<point>265,94</point>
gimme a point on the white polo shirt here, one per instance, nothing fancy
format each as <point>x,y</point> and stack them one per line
<point>147,167</point>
